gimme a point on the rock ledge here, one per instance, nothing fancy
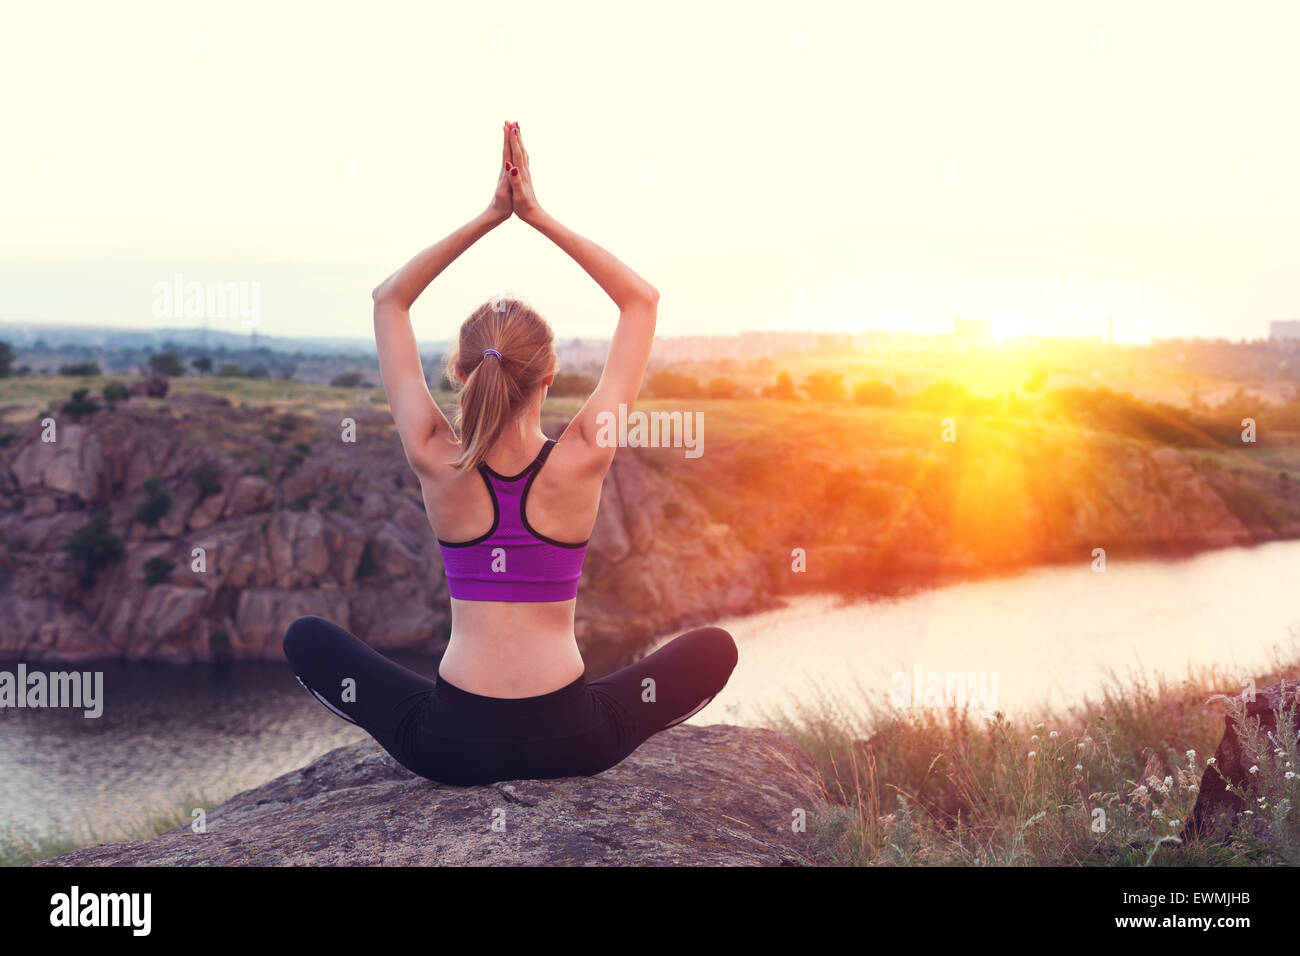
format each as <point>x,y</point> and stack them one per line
<point>717,795</point>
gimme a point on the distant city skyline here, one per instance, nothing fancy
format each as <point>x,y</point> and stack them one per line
<point>834,166</point>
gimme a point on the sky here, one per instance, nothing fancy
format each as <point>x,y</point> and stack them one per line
<point>830,166</point>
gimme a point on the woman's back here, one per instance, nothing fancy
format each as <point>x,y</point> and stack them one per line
<point>512,533</point>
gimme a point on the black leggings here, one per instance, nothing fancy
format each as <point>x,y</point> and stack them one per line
<point>441,732</point>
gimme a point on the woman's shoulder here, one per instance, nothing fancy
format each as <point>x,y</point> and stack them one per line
<point>580,456</point>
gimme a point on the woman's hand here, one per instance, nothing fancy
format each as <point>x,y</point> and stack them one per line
<point>521,179</point>
<point>502,200</point>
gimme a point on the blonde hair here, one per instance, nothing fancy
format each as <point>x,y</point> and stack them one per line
<point>496,390</point>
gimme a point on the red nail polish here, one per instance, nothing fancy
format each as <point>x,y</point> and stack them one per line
<point>514,172</point>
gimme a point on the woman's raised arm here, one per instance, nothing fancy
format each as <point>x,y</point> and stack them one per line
<point>637,301</point>
<point>416,414</point>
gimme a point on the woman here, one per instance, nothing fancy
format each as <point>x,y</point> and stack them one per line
<point>512,511</point>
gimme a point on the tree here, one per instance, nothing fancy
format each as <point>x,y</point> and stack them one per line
<point>825,386</point>
<point>156,505</point>
<point>571,383</point>
<point>115,392</point>
<point>80,404</point>
<point>782,389</point>
<point>668,384</point>
<point>721,388</point>
<point>202,364</point>
<point>95,546</point>
<point>167,363</point>
<point>6,359</point>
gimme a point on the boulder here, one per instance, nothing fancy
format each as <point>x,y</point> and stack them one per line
<point>1217,808</point>
<point>701,796</point>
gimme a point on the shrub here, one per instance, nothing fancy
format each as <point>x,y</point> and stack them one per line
<point>157,569</point>
<point>80,404</point>
<point>782,389</point>
<point>721,388</point>
<point>80,368</point>
<point>95,546</point>
<point>571,383</point>
<point>157,504</point>
<point>667,384</point>
<point>208,477</point>
<point>167,363</point>
<point>825,386</point>
<point>115,392</point>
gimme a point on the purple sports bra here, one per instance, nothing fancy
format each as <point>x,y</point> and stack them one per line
<point>512,562</point>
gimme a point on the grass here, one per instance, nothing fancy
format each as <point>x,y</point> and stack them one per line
<point>1110,782</point>
<point>19,846</point>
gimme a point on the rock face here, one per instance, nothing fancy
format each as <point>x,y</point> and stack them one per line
<point>716,795</point>
<point>1216,807</point>
<point>284,517</point>
<point>269,516</point>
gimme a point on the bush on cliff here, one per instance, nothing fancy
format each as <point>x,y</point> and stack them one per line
<point>157,504</point>
<point>208,477</point>
<point>95,546</point>
<point>80,404</point>
<point>115,392</point>
<point>157,569</point>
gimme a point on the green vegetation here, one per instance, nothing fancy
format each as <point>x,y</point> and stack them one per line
<point>782,389</point>
<point>157,504</point>
<point>207,476</point>
<point>115,392</point>
<point>19,846</point>
<point>96,547</point>
<point>157,569</point>
<point>167,363</point>
<point>80,369</point>
<point>350,380</point>
<point>80,404</point>
<point>825,386</point>
<point>569,383</point>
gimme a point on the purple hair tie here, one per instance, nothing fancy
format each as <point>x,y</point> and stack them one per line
<point>487,352</point>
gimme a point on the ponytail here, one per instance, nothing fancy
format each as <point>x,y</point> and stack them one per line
<point>504,354</point>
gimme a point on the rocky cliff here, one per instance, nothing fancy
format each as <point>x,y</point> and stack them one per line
<point>716,795</point>
<point>235,520</point>
<point>221,523</point>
